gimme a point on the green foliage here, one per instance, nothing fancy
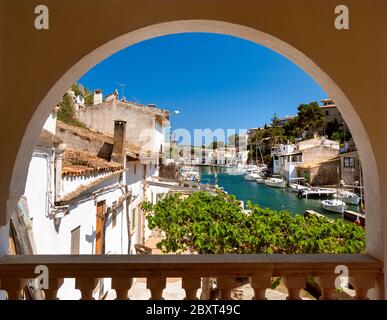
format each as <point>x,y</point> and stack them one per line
<point>311,117</point>
<point>209,223</point>
<point>337,135</point>
<point>66,112</point>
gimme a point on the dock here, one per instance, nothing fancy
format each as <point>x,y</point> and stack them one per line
<point>352,216</point>
<point>317,193</point>
<point>308,213</point>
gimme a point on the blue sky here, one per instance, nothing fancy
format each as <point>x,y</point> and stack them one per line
<point>215,81</point>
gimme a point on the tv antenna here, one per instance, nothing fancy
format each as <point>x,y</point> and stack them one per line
<point>122,88</point>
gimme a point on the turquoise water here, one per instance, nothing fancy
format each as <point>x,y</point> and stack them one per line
<point>273,198</point>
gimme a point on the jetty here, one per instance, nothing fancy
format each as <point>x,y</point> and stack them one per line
<point>352,216</point>
<point>317,193</point>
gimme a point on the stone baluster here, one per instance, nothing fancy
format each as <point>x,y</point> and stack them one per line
<point>86,285</point>
<point>260,283</point>
<point>225,285</point>
<point>191,286</point>
<point>13,286</point>
<point>294,285</point>
<point>362,283</point>
<point>328,287</point>
<point>53,286</point>
<point>156,287</point>
<point>122,286</point>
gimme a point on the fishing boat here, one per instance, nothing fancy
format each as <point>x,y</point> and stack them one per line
<point>334,205</point>
<point>348,197</point>
<point>275,182</point>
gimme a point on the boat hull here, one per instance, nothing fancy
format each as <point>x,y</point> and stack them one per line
<point>333,206</point>
<point>275,184</point>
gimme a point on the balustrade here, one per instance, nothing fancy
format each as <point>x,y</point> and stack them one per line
<point>363,273</point>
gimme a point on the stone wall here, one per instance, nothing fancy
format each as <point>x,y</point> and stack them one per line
<point>141,121</point>
<point>322,174</point>
<point>169,171</point>
<point>318,153</point>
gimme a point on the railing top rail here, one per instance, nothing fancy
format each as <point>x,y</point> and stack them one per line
<point>188,265</point>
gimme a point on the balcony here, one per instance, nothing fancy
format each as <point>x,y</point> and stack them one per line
<point>365,273</point>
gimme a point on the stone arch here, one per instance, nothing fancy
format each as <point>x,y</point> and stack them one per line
<point>371,177</point>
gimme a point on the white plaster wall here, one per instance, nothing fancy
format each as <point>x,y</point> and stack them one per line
<point>39,193</point>
<point>72,183</point>
<point>159,138</point>
<point>50,124</point>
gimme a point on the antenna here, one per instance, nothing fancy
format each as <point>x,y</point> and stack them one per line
<point>122,88</point>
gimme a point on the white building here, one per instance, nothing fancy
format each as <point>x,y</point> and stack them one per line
<point>84,192</point>
<point>287,157</point>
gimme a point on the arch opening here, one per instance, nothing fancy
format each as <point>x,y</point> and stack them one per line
<point>371,182</point>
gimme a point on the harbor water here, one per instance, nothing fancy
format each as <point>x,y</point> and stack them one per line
<point>266,197</point>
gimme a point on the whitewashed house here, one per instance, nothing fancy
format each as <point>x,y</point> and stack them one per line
<point>287,157</point>
<point>84,192</point>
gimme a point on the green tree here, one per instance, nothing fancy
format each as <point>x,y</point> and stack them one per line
<point>311,117</point>
<point>338,136</point>
<point>274,120</point>
<point>206,223</point>
<point>66,111</point>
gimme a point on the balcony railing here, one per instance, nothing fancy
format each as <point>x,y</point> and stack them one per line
<point>364,272</point>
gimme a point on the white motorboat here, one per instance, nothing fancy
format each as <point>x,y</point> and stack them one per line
<point>189,174</point>
<point>334,205</point>
<point>275,182</point>
<point>295,187</point>
<point>252,176</point>
<point>260,180</point>
<point>348,197</point>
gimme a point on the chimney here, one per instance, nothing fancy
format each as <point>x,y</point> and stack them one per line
<point>118,154</point>
<point>97,97</point>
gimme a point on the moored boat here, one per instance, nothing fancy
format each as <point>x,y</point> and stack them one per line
<point>348,197</point>
<point>252,176</point>
<point>295,187</point>
<point>334,205</point>
<point>275,182</point>
<point>260,180</point>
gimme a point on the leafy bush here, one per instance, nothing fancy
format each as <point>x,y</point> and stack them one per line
<point>209,223</point>
<point>66,112</point>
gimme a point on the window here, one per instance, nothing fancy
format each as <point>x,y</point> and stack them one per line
<point>327,112</point>
<point>134,169</point>
<point>145,170</point>
<point>75,240</point>
<point>114,214</point>
<point>349,162</point>
<point>133,219</point>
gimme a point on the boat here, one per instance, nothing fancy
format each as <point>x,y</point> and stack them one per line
<point>275,182</point>
<point>260,179</point>
<point>348,197</point>
<point>189,174</point>
<point>317,192</point>
<point>334,205</point>
<point>252,176</point>
<point>295,187</point>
